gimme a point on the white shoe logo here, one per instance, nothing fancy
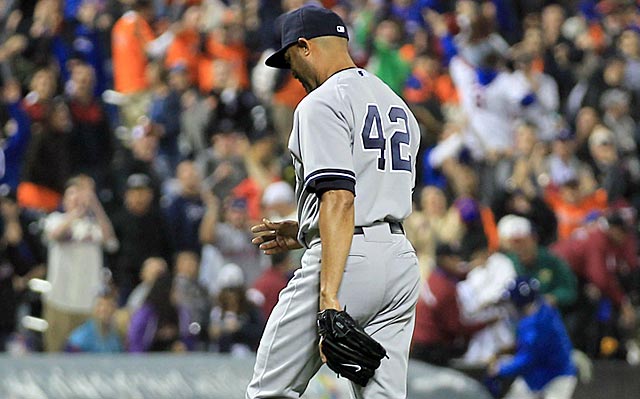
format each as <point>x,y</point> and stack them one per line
<point>355,366</point>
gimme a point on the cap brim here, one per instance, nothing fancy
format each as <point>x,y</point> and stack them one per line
<point>277,60</point>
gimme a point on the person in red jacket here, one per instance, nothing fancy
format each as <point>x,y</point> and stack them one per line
<point>604,259</point>
<point>439,333</point>
<point>267,287</point>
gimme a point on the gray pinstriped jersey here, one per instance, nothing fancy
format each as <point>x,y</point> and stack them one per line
<point>354,129</point>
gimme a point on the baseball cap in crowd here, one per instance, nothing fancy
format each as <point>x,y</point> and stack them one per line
<point>306,22</point>
<point>523,291</point>
<point>512,226</point>
<point>230,276</point>
<point>138,180</point>
<point>600,136</point>
<point>278,193</point>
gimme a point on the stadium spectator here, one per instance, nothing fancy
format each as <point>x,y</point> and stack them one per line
<point>16,133</point>
<point>160,325</point>
<point>557,281</point>
<point>189,293</point>
<point>263,168</point>
<point>543,112</point>
<point>604,257</point>
<point>542,362</point>
<point>138,159</point>
<point>534,209</point>
<point>278,202</point>
<point>152,269</point>
<point>42,88</point>
<point>431,224</point>
<point>220,164</point>
<point>185,48</point>
<point>586,120</point>
<point>440,334</point>
<point>480,299</point>
<point>76,237</point>
<point>611,76</point>
<point>232,236</point>
<point>20,263</point>
<point>226,43</point>
<point>84,38</point>
<point>628,46</point>
<point>386,61</point>
<point>163,112</point>
<point>138,218</point>
<point>97,335</point>
<point>563,164</point>
<point>520,194</point>
<point>267,287</point>
<point>91,141</point>
<point>186,209</point>
<point>133,43</point>
<point>47,164</point>
<point>235,324</point>
<point>572,199</point>
<point>611,172</point>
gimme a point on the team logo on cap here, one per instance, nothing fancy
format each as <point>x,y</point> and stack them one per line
<point>340,28</point>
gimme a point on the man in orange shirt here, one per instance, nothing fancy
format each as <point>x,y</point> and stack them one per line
<point>571,205</point>
<point>185,48</point>
<point>133,41</point>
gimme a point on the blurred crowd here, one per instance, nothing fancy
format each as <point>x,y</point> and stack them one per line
<point>142,138</point>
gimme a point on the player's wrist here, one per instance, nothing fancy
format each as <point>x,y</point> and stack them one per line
<point>329,301</point>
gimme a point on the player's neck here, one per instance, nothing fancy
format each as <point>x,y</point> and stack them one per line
<point>339,64</point>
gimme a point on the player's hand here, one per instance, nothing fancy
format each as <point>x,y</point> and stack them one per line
<point>322,356</point>
<point>276,237</point>
<point>327,303</point>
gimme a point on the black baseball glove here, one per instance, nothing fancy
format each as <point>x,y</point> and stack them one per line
<point>348,349</point>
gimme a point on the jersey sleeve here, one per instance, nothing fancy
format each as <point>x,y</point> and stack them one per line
<point>325,146</point>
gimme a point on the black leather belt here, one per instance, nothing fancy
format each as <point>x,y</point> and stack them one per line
<point>394,227</point>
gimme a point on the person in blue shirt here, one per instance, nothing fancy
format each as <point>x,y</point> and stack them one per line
<point>14,137</point>
<point>542,362</point>
<point>98,334</point>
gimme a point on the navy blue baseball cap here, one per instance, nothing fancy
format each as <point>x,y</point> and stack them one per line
<point>306,22</point>
<point>523,291</point>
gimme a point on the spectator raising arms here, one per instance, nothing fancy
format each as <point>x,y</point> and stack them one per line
<point>76,238</point>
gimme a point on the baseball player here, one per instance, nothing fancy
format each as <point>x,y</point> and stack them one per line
<point>354,145</point>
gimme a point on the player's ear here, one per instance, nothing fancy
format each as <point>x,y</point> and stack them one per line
<point>304,45</point>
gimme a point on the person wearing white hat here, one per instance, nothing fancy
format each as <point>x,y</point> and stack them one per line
<point>235,323</point>
<point>279,202</point>
<point>557,282</point>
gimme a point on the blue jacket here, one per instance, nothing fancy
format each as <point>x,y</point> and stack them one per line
<point>543,349</point>
<point>15,147</point>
